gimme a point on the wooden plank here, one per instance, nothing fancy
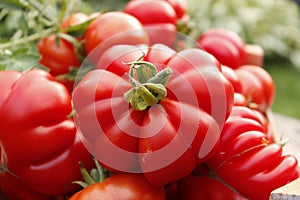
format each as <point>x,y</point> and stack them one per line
<point>290,191</point>
<point>255,54</point>
<point>288,127</point>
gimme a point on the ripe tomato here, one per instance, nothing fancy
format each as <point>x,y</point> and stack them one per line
<point>225,45</point>
<point>158,18</point>
<point>194,92</point>
<point>205,185</point>
<point>40,147</point>
<point>248,158</point>
<point>122,187</point>
<point>58,57</point>
<point>257,86</point>
<point>125,28</point>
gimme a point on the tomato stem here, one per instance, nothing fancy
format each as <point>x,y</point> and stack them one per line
<point>97,174</point>
<point>31,38</point>
<point>148,84</point>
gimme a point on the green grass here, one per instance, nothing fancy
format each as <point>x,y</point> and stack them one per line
<point>287,83</point>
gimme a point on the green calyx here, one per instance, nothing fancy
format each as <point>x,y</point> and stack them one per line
<point>97,174</point>
<point>148,85</point>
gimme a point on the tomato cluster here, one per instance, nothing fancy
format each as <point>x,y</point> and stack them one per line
<point>163,119</point>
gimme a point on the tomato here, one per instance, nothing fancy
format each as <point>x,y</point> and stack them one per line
<point>205,185</point>
<point>59,57</point>
<point>257,86</point>
<point>170,125</point>
<point>248,158</point>
<point>225,45</point>
<point>123,187</point>
<point>158,17</point>
<point>121,27</point>
<point>62,57</point>
<point>39,145</point>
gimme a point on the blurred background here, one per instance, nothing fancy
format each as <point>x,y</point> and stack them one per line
<point>272,24</point>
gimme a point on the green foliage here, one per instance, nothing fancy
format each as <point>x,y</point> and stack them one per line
<point>20,59</point>
<point>273,24</point>
<point>287,83</point>
<point>23,23</point>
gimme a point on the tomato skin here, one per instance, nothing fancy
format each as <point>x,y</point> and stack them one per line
<point>201,184</point>
<point>247,151</point>
<point>159,54</point>
<point>180,7</point>
<point>158,18</point>
<point>151,12</point>
<point>225,45</point>
<point>233,78</point>
<point>99,99</point>
<point>257,86</point>
<point>169,135</point>
<point>47,166</point>
<point>210,79</point>
<point>123,187</point>
<point>115,58</point>
<point>126,29</point>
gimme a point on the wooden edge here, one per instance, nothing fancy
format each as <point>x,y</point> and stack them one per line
<point>288,191</point>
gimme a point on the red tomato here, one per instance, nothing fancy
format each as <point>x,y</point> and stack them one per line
<point>121,27</point>
<point>58,57</point>
<point>115,58</point>
<point>158,17</point>
<point>40,149</point>
<point>122,187</point>
<point>257,86</point>
<point>248,158</point>
<point>167,136</point>
<point>205,185</point>
<point>225,45</point>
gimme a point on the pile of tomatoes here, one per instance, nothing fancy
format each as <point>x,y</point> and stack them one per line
<point>162,119</point>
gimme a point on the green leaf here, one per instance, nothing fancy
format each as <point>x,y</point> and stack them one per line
<point>21,59</point>
<point>12,4</point>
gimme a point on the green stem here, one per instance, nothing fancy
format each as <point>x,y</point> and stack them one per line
<point>149,87</point>
<point>28,39</point>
